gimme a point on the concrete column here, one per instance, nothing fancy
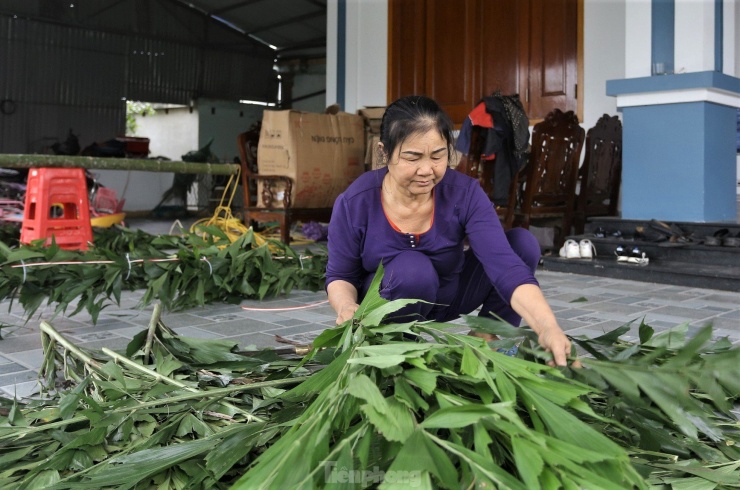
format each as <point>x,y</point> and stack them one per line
<point>678,157</point>
<point>679,141</point>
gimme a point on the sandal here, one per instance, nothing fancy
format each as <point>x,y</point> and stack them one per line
<point>673,235</point>
<point>602,233</point>
<point>716,239</point>
<point>638,257</point>
<point>732,240</point>
<point>621,254</point>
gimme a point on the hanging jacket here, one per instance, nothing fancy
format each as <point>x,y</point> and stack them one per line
<point>507,141</point>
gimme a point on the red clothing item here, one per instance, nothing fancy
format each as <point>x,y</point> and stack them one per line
<point>480,117</point>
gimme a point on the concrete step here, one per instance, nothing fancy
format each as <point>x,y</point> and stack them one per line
<point>691,264</point>
<point>659,270</point>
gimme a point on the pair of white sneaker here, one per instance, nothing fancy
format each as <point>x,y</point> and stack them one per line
<point>578,250</point>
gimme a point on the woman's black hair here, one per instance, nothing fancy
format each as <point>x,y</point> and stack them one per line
<point>410,115</point>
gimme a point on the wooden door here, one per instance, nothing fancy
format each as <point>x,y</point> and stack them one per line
<point>501,45</point>
<point>407,26</point>
<point>458,51</point>
<point>450,55</point>
<point>553,61</point>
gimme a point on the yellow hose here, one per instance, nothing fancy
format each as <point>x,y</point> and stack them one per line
<point>233,227</point>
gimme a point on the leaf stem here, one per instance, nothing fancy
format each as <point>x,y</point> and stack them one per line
<point>60,339</point>
<point>152,328</point>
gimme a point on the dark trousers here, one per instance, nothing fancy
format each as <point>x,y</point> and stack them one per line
<point>414,277</point>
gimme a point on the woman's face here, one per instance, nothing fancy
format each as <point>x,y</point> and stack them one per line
<point>418,164</point>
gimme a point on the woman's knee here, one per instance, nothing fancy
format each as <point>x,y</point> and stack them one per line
<point>411,275</point>
<point>526,246</point>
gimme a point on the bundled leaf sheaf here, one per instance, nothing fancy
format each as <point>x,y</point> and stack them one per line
<point>382,410</point>
<point>177,271</point>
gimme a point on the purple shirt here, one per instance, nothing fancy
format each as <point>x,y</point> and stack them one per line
<point>360,236</point>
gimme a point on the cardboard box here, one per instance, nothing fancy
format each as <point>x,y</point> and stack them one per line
<point>371,153</point>
<point>321,153</point>
<point>372,117</point>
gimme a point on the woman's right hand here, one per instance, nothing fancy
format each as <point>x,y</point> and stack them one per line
<point>346,312</point>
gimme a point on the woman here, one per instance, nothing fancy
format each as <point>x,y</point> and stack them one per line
<point>413,216</point>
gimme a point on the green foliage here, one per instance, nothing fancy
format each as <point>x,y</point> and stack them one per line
<point>134,109</point>
<point>380,410</point>
<point>179,272</point>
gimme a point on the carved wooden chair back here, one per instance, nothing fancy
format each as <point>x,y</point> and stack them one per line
<point>601,173</point>
<point>547,188</point>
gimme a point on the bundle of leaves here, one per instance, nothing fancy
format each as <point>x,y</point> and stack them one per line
<point>446,411</point>
<point>10,234</point>
<point>177,271</point>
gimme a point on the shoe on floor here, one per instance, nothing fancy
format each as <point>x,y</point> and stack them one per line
<point>586,249</point>
<point>570,250</point>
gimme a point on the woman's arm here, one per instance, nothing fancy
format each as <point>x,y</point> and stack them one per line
<point>343,298</point>
<point>529,302</point>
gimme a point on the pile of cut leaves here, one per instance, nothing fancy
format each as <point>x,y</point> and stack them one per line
<point>176,271</point>
<point>410,405</point>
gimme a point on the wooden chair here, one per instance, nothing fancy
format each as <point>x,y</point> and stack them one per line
<point>601,172</point>
<point>285,214</point>
<point>546,187</point>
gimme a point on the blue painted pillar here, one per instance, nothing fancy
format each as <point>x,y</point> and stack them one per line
<point>679,149</point>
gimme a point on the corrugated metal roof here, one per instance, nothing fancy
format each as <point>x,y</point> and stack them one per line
<point>292,27</point>
<point>287,29</point>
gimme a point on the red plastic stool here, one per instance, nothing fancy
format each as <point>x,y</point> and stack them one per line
<point>57,205</point>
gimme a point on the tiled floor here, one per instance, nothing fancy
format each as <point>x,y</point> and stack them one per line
<point>584,305</point>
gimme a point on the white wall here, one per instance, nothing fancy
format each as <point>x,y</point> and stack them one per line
<point>366,60</point>
<point>223,121</point>
<point>367,54</point>
<point>638,36</point>
<point>331,52</point>
<point>603,56</point>
<point>173,133</point>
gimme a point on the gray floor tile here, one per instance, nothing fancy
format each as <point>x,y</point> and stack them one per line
<point>21,390</point>
<point>733,315</point>
<point>685,313</point>
<point>571,313</point>
<point>11,367</point>
<point>116,343</point>
<point>20,343</point>
<point>237,327</point>
<point>31,359</point>
<point>290,322</point>
<point>18,377</point>
<point>197,333</point>
<point>308,316</point>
